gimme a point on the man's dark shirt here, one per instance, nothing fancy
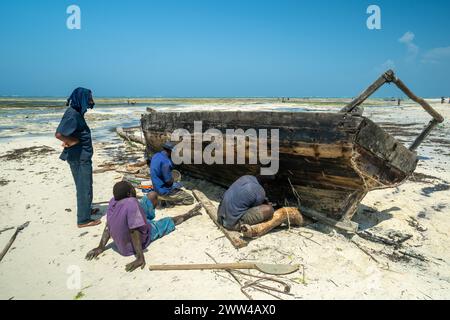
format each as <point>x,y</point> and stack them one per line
<point>243,194</point>
<point>73,125</point>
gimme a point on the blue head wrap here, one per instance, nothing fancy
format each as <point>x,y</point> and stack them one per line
<point>81,100</point>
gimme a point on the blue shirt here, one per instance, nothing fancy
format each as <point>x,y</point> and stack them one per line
<point>160,227</point>
<point>148,207</point>
<point>243,194</point>
<point>73,125</point>
<point>161,173</point>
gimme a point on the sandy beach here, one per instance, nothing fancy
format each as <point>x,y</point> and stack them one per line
<point>36,186</point>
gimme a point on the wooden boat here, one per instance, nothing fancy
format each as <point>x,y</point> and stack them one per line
<point>328,162</point>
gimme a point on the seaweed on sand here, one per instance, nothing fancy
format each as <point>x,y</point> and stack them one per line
<point>23,153</point>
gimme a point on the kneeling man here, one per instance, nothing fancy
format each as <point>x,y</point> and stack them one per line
<point>245,202</point>
<point>129,227</point>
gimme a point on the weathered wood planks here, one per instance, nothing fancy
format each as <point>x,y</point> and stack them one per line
<point>332,159</point>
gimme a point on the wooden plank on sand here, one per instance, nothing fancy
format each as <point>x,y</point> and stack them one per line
<point>234,237</point>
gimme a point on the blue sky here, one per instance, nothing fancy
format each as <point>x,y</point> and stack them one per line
<point>222,48</point>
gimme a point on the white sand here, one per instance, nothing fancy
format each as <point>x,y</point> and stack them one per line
<point>37,264</point>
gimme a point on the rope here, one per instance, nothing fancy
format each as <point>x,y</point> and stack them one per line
<point>286,204</point>
<point>365,176</point>
<point>296,195</point>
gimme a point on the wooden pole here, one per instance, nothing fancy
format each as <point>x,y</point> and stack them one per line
<point>423,135</point>
<point>388,77</point>
<point>234,237</point>
<point>274,269</point>
<point>399,83</point>
<point>13,238</point>
<point>211,266</point>
<point>368,92</point>
<point>133,136</point>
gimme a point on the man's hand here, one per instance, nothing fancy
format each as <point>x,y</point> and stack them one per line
<point>139,262</point>
<point>137,246</point>
<point>94,253</point>
<point>70,143</point>
<point>67,142</point>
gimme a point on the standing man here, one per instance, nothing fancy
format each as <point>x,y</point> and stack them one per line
<point>161,167</point>
<point>76,139</point>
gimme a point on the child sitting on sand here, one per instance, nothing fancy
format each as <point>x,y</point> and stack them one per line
<point>131,224</point>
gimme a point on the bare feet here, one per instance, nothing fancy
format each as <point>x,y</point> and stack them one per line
<point>191,213</point>
<point>90,224</point>
<point>196,208</point>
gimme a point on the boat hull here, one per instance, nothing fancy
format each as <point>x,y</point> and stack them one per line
<point>331,160</point>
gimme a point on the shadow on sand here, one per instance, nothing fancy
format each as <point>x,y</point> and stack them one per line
<point>368,217</point>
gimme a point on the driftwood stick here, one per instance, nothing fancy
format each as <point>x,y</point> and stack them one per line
<point>103,170</point>
<point>137,165</point>
<point>256,286</point>
<point>13,238</point>
<point>126,172</point>
<point>384,240</point>
<point>413,255</point>
<point>258,283</point>
<point>249,297</point>
<point>133,136</point>
<point>286,287</point>
<point>6,229</point>
<point>376,238</point>
<point>364,250</point>
<point>211,210</point>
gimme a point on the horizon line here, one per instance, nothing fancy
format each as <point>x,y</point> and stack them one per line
<point>208,97</point>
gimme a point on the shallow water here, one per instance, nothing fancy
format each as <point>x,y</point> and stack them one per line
<point>28,117</point>
<point>40,117</point>
<point>42,121</point>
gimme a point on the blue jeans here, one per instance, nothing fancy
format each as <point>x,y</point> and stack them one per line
<point>82,174</point>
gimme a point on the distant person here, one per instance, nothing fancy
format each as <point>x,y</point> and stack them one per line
<point>443,100</point>
<point>245,202</point>
<point>399,102</point>
<point>161,167</point>
<point>128,224</point>
<point>76,139</point>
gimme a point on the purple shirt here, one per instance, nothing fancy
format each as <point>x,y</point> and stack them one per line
<point>122,216</point>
